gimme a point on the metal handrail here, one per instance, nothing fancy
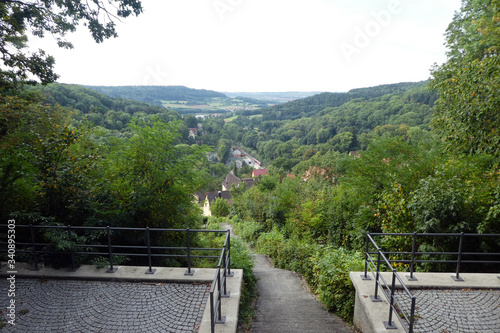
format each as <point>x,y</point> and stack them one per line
<point>389,288</point>
<point>218,284</point>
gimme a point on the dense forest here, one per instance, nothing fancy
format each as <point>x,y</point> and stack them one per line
<point>403,157</point>
<point>100,109</point>
<point>157,94</point>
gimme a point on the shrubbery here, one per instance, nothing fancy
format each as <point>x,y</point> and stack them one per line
<point>326,269</point>
<point>398,185</point>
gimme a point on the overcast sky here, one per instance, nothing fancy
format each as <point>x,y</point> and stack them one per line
<point>263,45</point>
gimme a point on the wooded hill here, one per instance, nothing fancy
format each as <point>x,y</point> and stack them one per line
<point>109,112</point>
<point>185,100</point>
<point>341,122</point>
<point>309,106</point>
<point>157,94</point>
<point>357,111</point>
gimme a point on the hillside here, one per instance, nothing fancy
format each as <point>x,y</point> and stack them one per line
<point>185,100</point>
<point>109,112</point>
<point>157,94</point>
<point>274,97</point>
<point>309,106</point>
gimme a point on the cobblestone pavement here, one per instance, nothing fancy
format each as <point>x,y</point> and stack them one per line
<point>91,306</point>
<point>455,310</point>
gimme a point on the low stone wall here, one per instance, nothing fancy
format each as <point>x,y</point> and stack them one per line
<point>443,304</point>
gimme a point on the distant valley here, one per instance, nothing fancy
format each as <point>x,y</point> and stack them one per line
<point>198,101</point>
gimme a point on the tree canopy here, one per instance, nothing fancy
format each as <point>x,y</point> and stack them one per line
<point>41,17</point>
<point>468,83</point>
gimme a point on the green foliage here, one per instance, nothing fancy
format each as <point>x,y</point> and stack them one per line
<point>101,110</point>
<point>223,149</point>
<point>466,113</point>
<point>248,230</point>
<point>156,94</point>
<point>154,177</point>
<point>332,282</point>
<point>56,169</point>
<point>220,208</point>
<point>240,259</point>
<point>401,183</point>
<point>325,268</point>
<point>56,18</point>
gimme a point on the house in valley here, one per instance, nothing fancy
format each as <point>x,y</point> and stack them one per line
<point>229,181</point>
<point>192,133</point>
<point>210,199</point>
<point>237,153</point>
<point>232,179</point>
<point>256,173</point>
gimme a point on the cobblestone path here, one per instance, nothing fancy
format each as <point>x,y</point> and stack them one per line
<point>460,310</point>
<point>91,306</point>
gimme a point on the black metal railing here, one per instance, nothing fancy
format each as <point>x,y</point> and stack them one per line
<point>376,260</point>
<point>32,246</point>
<point>218,290</point>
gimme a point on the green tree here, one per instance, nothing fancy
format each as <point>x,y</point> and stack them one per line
<point>18,17</point>
<point>190,121</point>
<point>153,177</point>
<point>342,142</point>
<point>223,149</point>
<point>467,111</point>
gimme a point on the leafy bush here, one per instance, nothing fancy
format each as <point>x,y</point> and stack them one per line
<point>242,259</point>
<point>331,279</point>
<point>248,231</point>
<point>220,208</point>
<point>325,268</point>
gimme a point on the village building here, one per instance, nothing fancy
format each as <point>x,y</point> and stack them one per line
<point>192,133</point>
<point>210,199</point>
<point>256,173</point>
<point>238,153</point>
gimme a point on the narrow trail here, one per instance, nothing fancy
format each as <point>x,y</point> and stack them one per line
<point>285,304</point>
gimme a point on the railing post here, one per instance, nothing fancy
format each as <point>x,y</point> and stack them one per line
<point>225,294</point>
<point>111,269</point>
<point>71,252</point>
<point>33,250</point>
<point>365,276</point>
<point>412,264</point>
<point>459,259</point>
<point>150,270</point>
<point>212,312</point>
<point>228,272</point>
<point>376,298</point>
<point>189,272</point>
<point>412,314</point>
<point>390,325</point>
<point>220,318</point>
